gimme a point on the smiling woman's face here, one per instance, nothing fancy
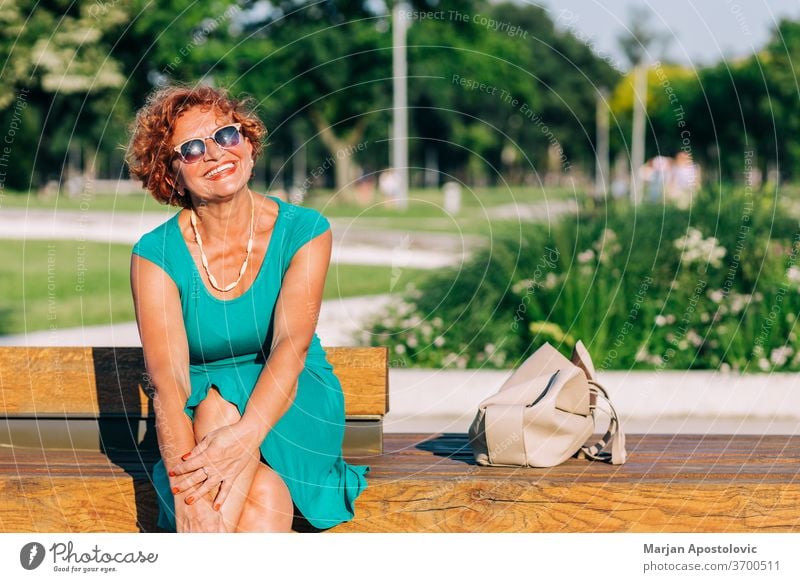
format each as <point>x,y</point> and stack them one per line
<point>222,172</point>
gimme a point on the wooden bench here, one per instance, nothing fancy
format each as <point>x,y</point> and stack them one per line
<point>417,482</point>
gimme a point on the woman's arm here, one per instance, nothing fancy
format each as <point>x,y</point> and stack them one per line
<point>166,353</point>
<point>296,315</point>
<point>295,319</point>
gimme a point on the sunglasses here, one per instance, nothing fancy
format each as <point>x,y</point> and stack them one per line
<point>193,150</point>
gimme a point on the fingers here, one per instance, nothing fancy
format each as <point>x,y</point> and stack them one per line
<point>203,489</point>
<point>224,488</point>
<point>198,449</point>
<point>192,462</point>
<point>189,482</point>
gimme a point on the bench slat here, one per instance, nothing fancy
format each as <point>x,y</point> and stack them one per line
<point>428,483</point>
<point>93,381</point>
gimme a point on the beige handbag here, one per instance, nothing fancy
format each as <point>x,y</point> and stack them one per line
<point>544,414</point>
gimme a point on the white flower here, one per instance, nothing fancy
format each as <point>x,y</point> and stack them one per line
<point>779,356</point>
<point>437,322</point>
<point>520,286</point>
<point>439,341</point>
<point>739,302</point>
<point>725,368</point>
<point>661,321</point>
<point>607,246</point>
<point>412,341</point>
<point>550,281</point>
<point>716,296</point>
<point>405,308</point>
<point>793,274</point>
<point>400,349</point>
<point>449,359</point>
<point>763,363</point>
<point>586,256</point>
<point>489,348</point>
<point>694,338</point>
<point>696,249</point>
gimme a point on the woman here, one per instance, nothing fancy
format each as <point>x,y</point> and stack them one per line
<point>227,292</point>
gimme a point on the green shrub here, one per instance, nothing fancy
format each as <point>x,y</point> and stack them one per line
<point>651,286</point>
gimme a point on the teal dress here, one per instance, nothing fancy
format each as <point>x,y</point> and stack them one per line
<point>229,343</point>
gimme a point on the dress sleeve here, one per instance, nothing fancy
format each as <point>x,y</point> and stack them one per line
<point>153,248</point>
<point>310,224</point>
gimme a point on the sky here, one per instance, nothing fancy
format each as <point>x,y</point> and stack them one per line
<point>697,31</point>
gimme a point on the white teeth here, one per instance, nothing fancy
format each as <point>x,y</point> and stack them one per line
<point>219,169</point>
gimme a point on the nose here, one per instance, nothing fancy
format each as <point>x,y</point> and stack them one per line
<point>213,151</point>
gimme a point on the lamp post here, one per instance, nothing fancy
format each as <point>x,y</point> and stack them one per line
<point>602,174</point>
<point>400,103</point>
<point>638,137</point>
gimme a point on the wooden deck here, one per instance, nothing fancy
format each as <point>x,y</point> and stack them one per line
<point>429,483</point>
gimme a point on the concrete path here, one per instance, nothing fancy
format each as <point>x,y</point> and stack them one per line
<point>354,242</point>
<point>351,244</point>
<point>339,323</point>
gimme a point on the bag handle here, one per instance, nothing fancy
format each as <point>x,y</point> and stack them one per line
<point>614,435</point>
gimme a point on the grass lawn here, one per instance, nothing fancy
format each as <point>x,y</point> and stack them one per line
<point>63,284</point>
<point>423,203</point>
<point>104,202</point>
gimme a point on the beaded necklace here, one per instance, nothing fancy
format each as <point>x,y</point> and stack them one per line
<point>204,259</point>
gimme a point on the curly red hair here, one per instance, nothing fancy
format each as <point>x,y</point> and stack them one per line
<point>149,156</point>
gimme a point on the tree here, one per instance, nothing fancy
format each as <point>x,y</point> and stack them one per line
<point>327,62</point>
<point>57,52</point>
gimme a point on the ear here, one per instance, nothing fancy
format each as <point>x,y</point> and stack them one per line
<point>250,155</point>
<point>172,185</point>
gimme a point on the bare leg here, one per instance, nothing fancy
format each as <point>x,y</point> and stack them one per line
<point>212,413</point>
<point>269,504</point>
<point>259,500</point>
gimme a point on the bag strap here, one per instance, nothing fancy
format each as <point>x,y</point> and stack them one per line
<point>614,435</point>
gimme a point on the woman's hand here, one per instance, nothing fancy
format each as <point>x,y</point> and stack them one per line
<point>199,517</point>
<point>218,459</point>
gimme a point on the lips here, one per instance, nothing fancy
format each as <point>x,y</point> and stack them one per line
<point>220,171</point>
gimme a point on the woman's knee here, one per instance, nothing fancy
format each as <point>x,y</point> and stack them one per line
<point>268,507</point>
<point>214,412</point>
